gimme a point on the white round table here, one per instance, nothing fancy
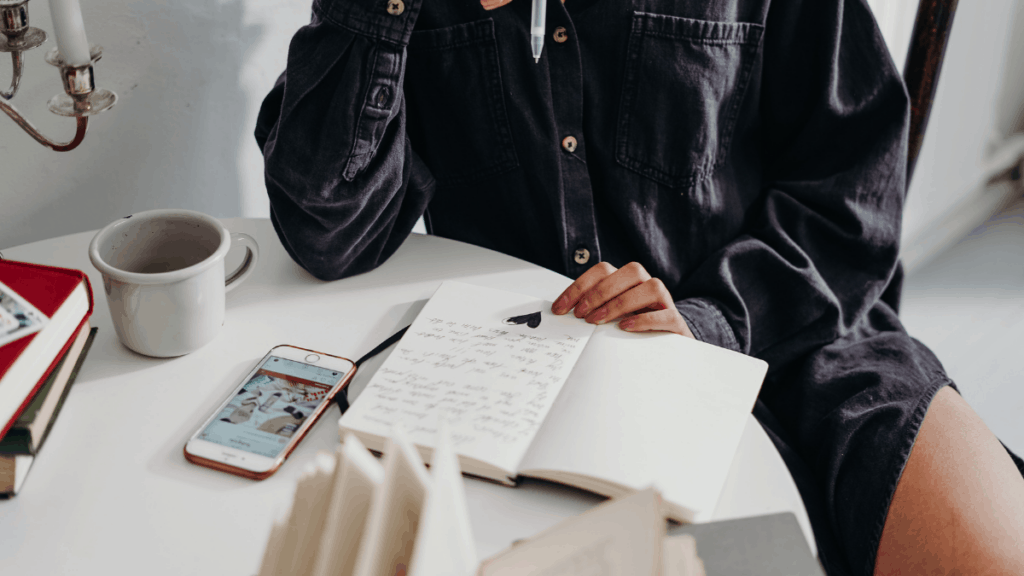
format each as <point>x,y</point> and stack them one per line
<point>111,493</point>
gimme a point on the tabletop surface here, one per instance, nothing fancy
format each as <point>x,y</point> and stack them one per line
<point>111,493</point>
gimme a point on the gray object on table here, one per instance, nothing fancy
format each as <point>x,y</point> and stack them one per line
<point>771,545</point>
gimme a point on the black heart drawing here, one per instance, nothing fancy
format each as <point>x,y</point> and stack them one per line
<point>531,320</point>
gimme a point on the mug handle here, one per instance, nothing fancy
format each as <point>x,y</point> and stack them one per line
<point>252,255</point>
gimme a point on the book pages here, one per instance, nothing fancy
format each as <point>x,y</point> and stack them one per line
<point>395,511</point>
<point>41,412</point>
<point>618,538</point>
<point>271,564</point>
<point>298,513</point>
<point>13,471</point>
<point>679,556</point>
<point>444,540</point>
<point>491,361</point>
<point>358,478</point>
<point>311,497</point>
<point>319,495</point>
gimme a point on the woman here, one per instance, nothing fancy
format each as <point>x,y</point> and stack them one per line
<point>731,171</point>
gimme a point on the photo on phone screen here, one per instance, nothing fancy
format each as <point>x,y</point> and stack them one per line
<point>268,410</point>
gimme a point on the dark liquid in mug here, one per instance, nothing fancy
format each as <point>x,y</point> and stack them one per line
<point>170,257</point>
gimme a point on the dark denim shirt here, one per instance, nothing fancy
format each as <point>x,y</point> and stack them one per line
<point>749,153</point>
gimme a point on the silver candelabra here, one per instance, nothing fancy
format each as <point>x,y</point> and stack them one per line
<point>81,98</point>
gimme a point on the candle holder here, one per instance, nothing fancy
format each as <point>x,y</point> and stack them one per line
<point>17,37</point>
<point>80,100</point>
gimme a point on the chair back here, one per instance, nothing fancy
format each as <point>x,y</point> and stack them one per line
<point>921,71</point>
<point>928,41</point>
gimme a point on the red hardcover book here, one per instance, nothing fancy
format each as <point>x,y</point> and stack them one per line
<point>63,295</point>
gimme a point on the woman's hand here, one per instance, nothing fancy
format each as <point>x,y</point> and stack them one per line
<point>604,293</point>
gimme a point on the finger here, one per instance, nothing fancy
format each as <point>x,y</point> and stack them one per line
<point>650,294</point>
<point>492,4</point>
<point>619,282</point>
<point>568,299</point>
<point>667,320</point>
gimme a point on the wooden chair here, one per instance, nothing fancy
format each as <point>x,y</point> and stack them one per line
<point>921,70</point>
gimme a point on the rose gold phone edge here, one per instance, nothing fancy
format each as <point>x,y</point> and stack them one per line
<point>300,434</point>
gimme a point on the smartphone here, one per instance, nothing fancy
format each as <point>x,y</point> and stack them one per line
<point>267,415</point>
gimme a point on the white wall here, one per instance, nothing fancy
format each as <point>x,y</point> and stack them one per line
<point>191,75</point>
<point>977,107</point>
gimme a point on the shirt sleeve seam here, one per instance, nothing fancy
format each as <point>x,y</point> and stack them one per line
<point>350,171</point>
<point>359,22</point>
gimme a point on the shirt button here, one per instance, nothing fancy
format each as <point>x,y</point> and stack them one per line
<point>561,35</point>
<point>396,7</point>
<point>569,143</point>
<point>581,256</point>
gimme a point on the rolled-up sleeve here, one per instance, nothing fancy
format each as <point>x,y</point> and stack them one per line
<point>821,242</point>
<point>345,187</point>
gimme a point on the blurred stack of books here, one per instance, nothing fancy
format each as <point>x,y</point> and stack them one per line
<point>44,337</point>
<point>352,516</point>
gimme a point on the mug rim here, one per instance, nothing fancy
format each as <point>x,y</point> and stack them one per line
<point>157,277</point>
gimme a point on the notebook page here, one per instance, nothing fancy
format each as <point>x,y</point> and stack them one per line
<point>494,381</point>
<point>643,409</point>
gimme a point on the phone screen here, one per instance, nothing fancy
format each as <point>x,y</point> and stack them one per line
<point>271,406</point>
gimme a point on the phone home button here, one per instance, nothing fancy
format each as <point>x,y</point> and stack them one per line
<point>312,358</point>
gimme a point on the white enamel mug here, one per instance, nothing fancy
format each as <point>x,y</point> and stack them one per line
<point>163,273</point>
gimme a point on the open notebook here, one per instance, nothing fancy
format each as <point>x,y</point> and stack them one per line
<point>528,393</point>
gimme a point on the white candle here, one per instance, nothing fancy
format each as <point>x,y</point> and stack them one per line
<point>70,31</point>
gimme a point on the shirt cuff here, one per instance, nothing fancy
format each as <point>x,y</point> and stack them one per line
<point>388,20</point>
<point>707,323</point>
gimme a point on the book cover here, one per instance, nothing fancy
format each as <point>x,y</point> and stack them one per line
<point>771,545</point>
<point>48,289</point>
<point>13,470</point>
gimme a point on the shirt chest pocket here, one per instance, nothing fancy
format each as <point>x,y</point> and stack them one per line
<point>683,84</point>
<point>457,118</point>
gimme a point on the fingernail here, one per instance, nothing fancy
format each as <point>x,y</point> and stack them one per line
<point>627,324</point>
<point>600,316</point>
